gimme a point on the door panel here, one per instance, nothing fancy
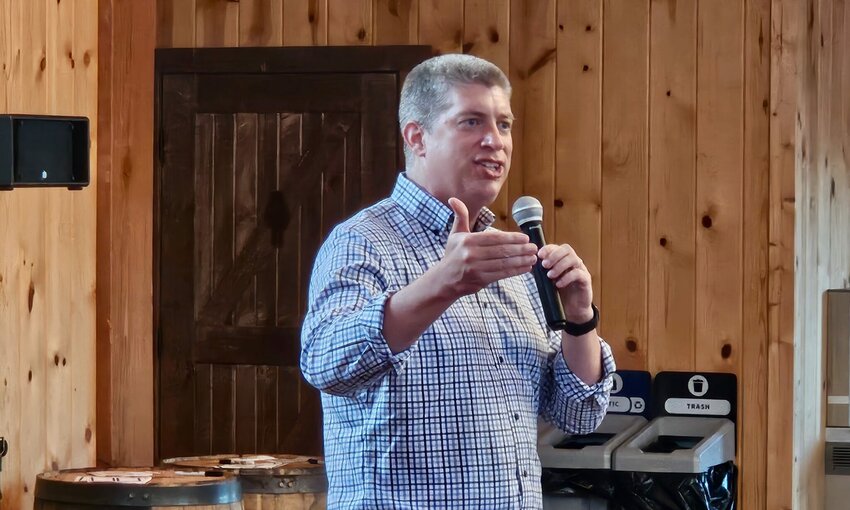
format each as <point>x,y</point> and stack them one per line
<point>254,169</point>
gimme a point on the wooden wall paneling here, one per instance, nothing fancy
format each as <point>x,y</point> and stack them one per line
<point>396,22</point>
<point>125,225</point>
<point>6,54</point>
<point>305,22</point>
<point>625,181</point>
<point>223,414</point>
<point>203,406</point>
<point>268,196</point>
<point>578,101</point>
<point>61,285</point>
<point>672,184</point>
<point>785,25</point>
<point>84,63</point>
<point>10,294</point>
<point>245,408</point>
<point>31,88</point>
<point>175,23</point>
<point>260,22</point>
<point>245,202</point>
<point>813,252</point>
<point>532,74</point>
<point>808,263</point>
<point>349,22</point>
<point>486,31</point>
<point>103,251</point>
<point>839,268</point>
<point>246,221</point>
<point>441,25</point>
<point>752,383</point>
<point>267,398</point>
<point>11,267</point>
<point>720,138</point>
<point>216,23</point>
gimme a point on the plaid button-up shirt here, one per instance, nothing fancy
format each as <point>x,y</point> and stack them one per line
<point>451,422</point>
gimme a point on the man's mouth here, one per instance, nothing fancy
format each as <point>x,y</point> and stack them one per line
<point>494,169</point>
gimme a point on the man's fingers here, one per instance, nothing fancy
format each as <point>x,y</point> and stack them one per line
<point>461,221</point>
<point>504,251</point>
<point>498,238</point>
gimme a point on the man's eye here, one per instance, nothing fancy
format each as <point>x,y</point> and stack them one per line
<point>505,126</point>
<point>470,122</point>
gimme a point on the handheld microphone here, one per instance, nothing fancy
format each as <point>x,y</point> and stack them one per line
<point>528,214</point>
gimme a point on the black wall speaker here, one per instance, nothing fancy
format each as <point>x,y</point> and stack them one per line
<point>38,150</point>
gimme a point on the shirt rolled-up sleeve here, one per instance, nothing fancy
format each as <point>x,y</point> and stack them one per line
<point>343,349</point>
<point>569,403</point>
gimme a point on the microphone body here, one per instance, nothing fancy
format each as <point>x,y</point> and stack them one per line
<point>528,214</point>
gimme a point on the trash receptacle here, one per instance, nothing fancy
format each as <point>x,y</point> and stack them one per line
<point>683,460</point>
<point>577,468</point>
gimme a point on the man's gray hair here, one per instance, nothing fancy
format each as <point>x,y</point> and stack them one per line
<point>425,94</point>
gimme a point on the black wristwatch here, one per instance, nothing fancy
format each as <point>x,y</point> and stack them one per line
<point>586,327</point>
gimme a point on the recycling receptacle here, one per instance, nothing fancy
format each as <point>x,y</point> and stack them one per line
<point>577,468</point>
<point>684,458</point>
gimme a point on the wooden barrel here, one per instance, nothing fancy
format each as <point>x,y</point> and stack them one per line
<point>269,482</point>
<point>112,488</point>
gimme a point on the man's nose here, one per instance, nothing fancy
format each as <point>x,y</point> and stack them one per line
<point>493,139</point>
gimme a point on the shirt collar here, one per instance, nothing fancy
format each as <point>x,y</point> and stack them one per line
<point>430,212</point>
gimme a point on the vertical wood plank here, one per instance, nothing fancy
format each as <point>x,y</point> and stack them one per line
<point>578,136</point>
<point>349,22</point>
<point>785,36</point>
<point>753,407</point>
<point>486,32</point>
<point>11,280</point>
<point>31,96</point>
<point>305,22</point>
<point>203,219</point>
<point>625,181</point>
<point>532,73</point>
<point>6,53</point>
<point>290,294</point>
<point>260,22</point>
<point>127,178</point>
<point>175,23</point>
<point>203,421</point>
<point>267,398</point>
<point>61,286</point>
<point>83,362</point>
<point>216,23</point>
<point>396,22</point>
<point>441,25</point>
<point>268,211</point>
<point>245,214</point>
<point>223,413</point>
<point>223,245</point>
<point>245,412</point>
<point>672,183</point>
<point>720,136</point>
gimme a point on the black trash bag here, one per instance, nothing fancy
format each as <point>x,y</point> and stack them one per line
<point>714,489</point>
<point>578,483</point>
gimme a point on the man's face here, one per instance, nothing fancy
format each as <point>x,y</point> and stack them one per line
<point>467,152</point>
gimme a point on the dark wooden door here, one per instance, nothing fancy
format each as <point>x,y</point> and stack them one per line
<point>258,160</point>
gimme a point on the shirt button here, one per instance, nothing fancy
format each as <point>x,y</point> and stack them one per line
<point>524,473</point>
<point>501,359</point>
<point>516,416</point>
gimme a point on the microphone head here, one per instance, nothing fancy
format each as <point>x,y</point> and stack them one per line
<point>527,209</point>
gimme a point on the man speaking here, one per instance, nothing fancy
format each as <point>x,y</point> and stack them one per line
<point>425,332</point>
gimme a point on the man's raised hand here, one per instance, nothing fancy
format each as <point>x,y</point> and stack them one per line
<point>473,260</point>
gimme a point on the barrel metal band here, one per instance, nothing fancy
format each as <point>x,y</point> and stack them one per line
<point>283,484</point>
<point>116,494</point>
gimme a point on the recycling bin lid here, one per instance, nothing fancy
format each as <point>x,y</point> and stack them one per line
<point>677,444</point>
<point>560,450</point>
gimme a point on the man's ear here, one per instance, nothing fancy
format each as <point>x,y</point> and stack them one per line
<point>414,138</point>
